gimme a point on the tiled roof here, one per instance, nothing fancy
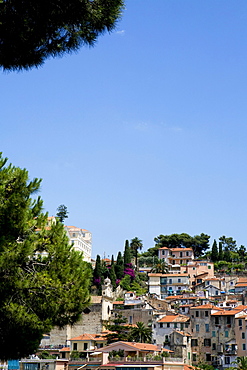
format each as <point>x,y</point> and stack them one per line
<point>174,318</point>
<point>166,275</point>
<point>230,312</point>
<point>65,349</point>
<point>206,307</point>
<point>97,337</point>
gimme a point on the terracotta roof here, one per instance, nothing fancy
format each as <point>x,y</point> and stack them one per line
<point>97,337</point>
<point>174,318</point>
<point>181,249</point>
<point>189,367</point>
<point>118,302</point>
<point>140,346</point>
<point>179,297</point>
<point>230,312</point>
<point>206,307</point>
<point>65,349</point>
<point>240,284</point>
<point>183,333</point>
<point>166,275</point>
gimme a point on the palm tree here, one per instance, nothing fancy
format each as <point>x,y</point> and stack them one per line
<point>140,333</point>
<point>160,268</point>
<point>241,363</point>
<point>135,244</point>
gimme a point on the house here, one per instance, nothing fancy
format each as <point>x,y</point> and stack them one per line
<point>180,344</point>
<point>163,285</point>
<point>176,256</point>
<point>88,343</point>
<point>164,326</point>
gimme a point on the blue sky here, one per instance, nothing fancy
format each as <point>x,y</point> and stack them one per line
<point>145,133</point>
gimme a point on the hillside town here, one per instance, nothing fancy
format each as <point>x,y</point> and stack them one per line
<point>193,316</point>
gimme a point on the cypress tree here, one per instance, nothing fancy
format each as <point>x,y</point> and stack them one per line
<point>97,275</point>
<point>119,267</point>
<point>214,252</point>
<point>220,254</point>
<point>127,254</point>
<point>113,274</point>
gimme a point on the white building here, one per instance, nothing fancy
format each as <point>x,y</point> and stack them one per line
<point>81,240</point>
<point>163,285</point>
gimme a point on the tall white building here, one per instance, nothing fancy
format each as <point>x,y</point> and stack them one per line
<point>81,240</point>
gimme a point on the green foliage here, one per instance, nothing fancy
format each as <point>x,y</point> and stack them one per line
<point>148,261</point>
<point>241,363</point>
<point>119,267</point>
<point>140,333</point>
<point>220,255</point>
<point>135,245</point>
<point>214,252</point>
<point>43,281</point>
<point>62,212</point>
<point>199,243</point>
<point>160,267</point>
<point>32,31</point>
<point>205,366</point>
<point>119,332</point>
<point>112,274</point>
<point>136,287</point>
<point>127,254</point>
<point>46,354</point>
<point>98,275</point>
<point>125,282</point>
<point>119,353</point>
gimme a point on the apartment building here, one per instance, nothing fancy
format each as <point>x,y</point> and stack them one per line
<point>176,256</point>
<point>163,285</point>
<point>81,240</point>
<point>164,327</point>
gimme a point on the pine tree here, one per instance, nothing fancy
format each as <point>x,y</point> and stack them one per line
<point>119,267</point>
<point>62,212</point>
<point>127,255</point>
<point>43,281</point>
<point>214,252</point>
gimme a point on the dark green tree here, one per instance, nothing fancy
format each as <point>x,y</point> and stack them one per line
<point>228,243</point>
<point>119,332</point>
<point>220,255</point>
<point>119,267</point>
<point>160,267</point>
<point>242,252</point>
<point>135,245</point>
<point>140,333</point>
<point>62,212</point>
<point>199,243</point>
<point>32,31</point>
<point>227,255</point>
<point>112,274</point>
<point>127,254</point>
<point>98,275</point>
<point>214,252</point>
<point>43,281</point>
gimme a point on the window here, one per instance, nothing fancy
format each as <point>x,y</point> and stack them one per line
<point>181,254</point>
<point>170,281</point>
<point>181,326</point>
<point>227,360</point>
<point>207,342</point>
<point>228,319</point>
<point>206,313</point>
<point>208,357</point>
<point>207,328</point>
<point>243,335</point>
<point>74,346</point>
<point>193,357</point>
<point>187,253</point>
<point>188,355</point>
<point>161,325</point>
<point>213,333</point>
<point>209,266</point>
<point>179,280</point>
<point>194,342</point>
<point>163,252</point>
<point>213,346</point>
<point>85,346</point>
<point>239,322</point>
<point>197,328</point>
<point>216,320</point>
<point>181,261</point>
<point>175,325</point>
<point>168,325</point>
<point>244,346</point>
<point>197,313</point>
<point>226,333</point>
